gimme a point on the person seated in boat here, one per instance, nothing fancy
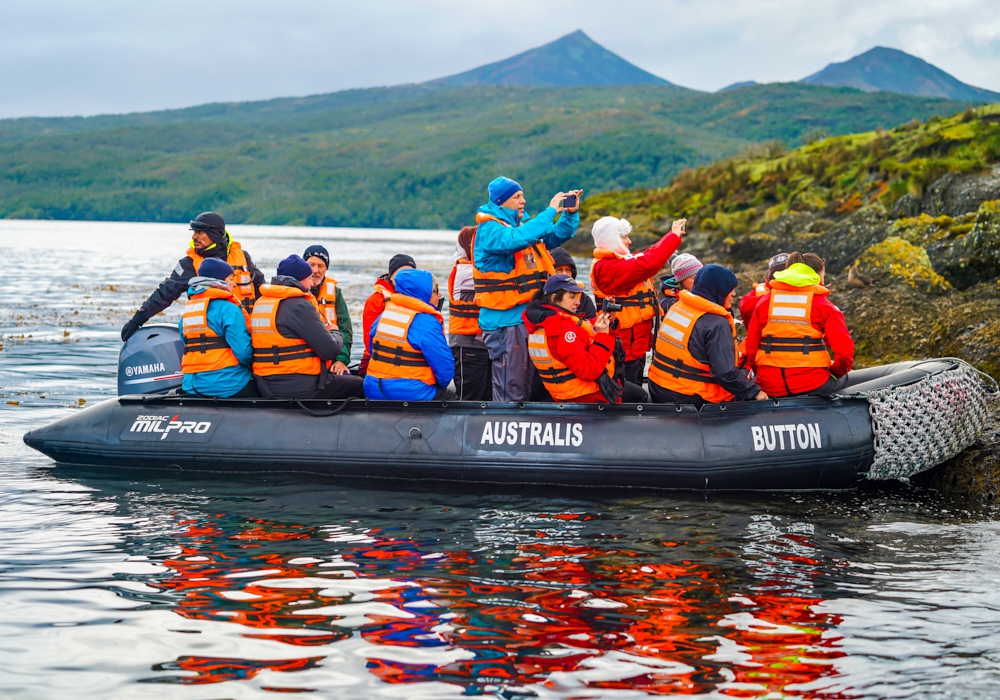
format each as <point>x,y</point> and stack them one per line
<point>472,360</point>
<point>411,360</point>
<point>573,357</point>
<point>511,262</point>
<point>292,347</point>
<point>209,240</point>
<point>565,265</point>
<point>375,304</point>
<point>332,306</point>
<point>748,303</point>
<point>694,359</point>
<point>684,267</point>
<point>669,289</point>
<point>628,278</point>
<point>792,327</point>
<point>216,332</point>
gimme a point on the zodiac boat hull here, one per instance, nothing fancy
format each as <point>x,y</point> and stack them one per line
<point>791,444</point>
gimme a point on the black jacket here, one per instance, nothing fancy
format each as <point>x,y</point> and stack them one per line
<point>297,318</point>
<point>172,287</point>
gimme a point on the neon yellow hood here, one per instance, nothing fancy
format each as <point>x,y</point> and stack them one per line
<point>798,275</point>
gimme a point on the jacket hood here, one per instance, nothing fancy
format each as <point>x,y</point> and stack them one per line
<point>415,283</point>
<point>608,232</point>
<point>286,281</point>
<point>200,284</point>
<point>798,275</point>
<point>714,282</point>
<point>504,214</point>
<point>561,256</point>
<point>536,313</point>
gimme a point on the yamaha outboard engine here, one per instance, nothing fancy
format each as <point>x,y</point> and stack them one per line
<point>150,361</point>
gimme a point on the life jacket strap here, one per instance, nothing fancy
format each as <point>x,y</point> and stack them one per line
<point>770,343</point>
<point>678,369</point>
<point>276,355</point>
<point>397,356</point>
<point>203,343</point>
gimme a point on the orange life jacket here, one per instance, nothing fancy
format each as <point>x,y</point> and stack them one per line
<point>392,355</point>
<point>204,350</point>
<point>242,279</point>
<point>673,367</point>
<point>273,353</point>
<point>463,316</point>
<point>637,306</point>
<point>560,382</point>
<point>326,298</point>
<point>789,339</point>
<point>505,290</point>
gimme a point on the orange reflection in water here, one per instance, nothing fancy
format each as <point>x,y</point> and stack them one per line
<point>555,615</point>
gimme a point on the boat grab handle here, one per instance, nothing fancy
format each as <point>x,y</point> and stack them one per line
<point>327,414</point>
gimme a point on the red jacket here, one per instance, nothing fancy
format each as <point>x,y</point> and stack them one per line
<point>571,345</point>
<point>374,306</point>
<point>748,303</point>
<point>618,277</point>
<point>777,381</point>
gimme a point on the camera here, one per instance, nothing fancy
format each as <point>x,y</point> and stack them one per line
<point>609,306</point>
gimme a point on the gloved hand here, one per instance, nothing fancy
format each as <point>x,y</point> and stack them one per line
<point>129,329</point>
<point>611,389</point>
<point>619,354</point>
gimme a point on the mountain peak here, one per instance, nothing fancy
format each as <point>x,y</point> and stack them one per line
<point>574,59</point>
<point>892,70</point>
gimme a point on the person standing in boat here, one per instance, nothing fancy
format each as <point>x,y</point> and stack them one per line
<point>209,239</point>
<point>511,262</point>
<point>472,360</point>
<point>792,326</point>
<point>694,359</point>
<point>629,280</point>
<point>573,357</point>
<point>748,303</point>
<point>332,306</point>
<point>375,304</point>
<point>411,360</point>
<point>292,346</point>
<point>566,265</point>
<point>215,327</point>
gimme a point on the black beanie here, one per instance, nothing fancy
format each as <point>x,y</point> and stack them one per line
<point>561,257</point>
<point>317,251</point>
<point>400,260</point>
<point>215,227</point>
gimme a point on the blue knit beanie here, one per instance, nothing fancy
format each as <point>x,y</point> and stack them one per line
<point>215,268</point>
<point>295,267</point>
<point>502,189</point>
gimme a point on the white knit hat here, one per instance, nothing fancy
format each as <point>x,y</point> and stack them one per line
<point>608,232</point>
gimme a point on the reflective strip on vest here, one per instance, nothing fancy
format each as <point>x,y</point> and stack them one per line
<point>789,339</point>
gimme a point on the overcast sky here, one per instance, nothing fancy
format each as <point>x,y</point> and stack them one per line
<point>76,57</point>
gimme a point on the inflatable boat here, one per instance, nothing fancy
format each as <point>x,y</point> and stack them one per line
<point>893,422</point>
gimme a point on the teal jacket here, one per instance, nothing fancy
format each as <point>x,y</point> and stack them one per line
<point>496,244</point>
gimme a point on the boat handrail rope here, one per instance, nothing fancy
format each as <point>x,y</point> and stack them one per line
<point>921,424</point>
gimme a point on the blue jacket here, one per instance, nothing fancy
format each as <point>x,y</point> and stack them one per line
<point>227,321</point>
<point>426,334</point>
<point>496,244</point>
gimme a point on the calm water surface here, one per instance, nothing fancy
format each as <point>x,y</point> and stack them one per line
<point>143,584</point>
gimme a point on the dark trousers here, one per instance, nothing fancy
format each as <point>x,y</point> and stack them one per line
<point>661,395</point>
<point>634,369</point>
<point>633,393</point>
<point>247,392</point>
<point>445,395</point>
<point>473,374</point>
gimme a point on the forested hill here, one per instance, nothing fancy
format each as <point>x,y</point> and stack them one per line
<point>409,156</point>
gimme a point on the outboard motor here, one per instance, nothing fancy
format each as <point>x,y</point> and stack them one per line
<point>150,361</point>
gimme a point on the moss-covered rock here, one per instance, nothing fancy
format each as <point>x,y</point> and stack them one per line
<point>896,260</point>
